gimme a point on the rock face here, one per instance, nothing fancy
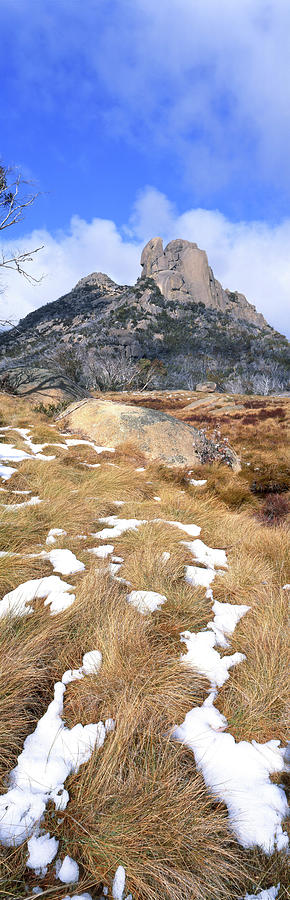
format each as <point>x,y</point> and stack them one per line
<point>182,273</point>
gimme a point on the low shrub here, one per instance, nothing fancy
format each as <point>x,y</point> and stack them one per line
<point>52,409</point>
<point>272,479</point>
<point>274,509</point>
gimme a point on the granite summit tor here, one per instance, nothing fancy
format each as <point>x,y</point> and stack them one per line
<point>177,313</point>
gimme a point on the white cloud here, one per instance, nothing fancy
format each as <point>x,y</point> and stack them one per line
<point>251,257</point>
<point>86,247</point>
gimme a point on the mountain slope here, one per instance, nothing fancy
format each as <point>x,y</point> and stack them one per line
<point>177,313</point>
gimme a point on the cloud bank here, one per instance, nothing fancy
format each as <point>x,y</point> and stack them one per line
<point>252,257</point>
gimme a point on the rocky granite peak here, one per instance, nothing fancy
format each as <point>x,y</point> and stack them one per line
<point>95,279</point>
<point>177,320</point>
<point>182,273</point>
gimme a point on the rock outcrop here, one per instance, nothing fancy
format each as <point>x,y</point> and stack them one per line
<point>206,387</point>
<point>160,436</point>
<point>182,273</point>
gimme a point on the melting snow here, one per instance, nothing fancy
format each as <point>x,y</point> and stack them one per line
<point>42,851</point>
<point>238,774</point>
<point>91,465</point>
<point>72,442</point>
<point>65,562</point>
<point>102,551</point>
<point>165,556</point>
<point>118,887</point>
<point>117,527</point>
<point>226,617</point>
<point>113,568</point>
<point>200,647</point>
<point>146,601</point>
<point>269,894</point>
<point>197,482</point>
<point>196,576</point>
<point>53,534</point>
<point>8,451</point>
<point>50,754</point>
<point>32,502</point>
<point>202,656</point>
<point>17,602</point>
<point>206,555</point>
<point>68,871</point>
<point>192,530</point>
<point>78,897</point>
<point>6,472</point>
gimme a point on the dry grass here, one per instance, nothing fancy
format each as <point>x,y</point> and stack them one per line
<point>256,698</point>
<point>140,801</point>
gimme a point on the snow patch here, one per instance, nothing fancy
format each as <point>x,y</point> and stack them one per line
<point>206,555</point>
<point>17,602</point>
<point>226,617</point>
<point>117,527</point>
<point>42,851</point>
<point>69,871</point>
<point>201,577</point>
<point>118,886</point>
<point>65,562</point>
<point>9,452</point>
<point>192,530</point>
<point>239,775</point>
<point>73,442</point>
<point>202,656</point>
<point>103,551</point>
<point>32,502</point>
<point>197,482</point>
<point>269,894</point>
<point>53,534</point>
<point>6,472</point>
<point>50,754</point>
<point>146,601</point>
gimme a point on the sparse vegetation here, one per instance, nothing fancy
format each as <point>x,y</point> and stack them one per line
<point>49,410</point>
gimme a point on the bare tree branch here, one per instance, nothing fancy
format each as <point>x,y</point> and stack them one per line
<point>16,260</point>
<point>14,202</point>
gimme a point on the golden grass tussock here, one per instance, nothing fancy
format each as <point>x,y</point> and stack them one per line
<point>137,667</point>
<point>256,698</point>
<point>142,804</point>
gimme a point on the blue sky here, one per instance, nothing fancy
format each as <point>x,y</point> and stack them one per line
<point>135,118</point>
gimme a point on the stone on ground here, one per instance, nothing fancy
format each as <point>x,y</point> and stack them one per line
<point>158,435</point>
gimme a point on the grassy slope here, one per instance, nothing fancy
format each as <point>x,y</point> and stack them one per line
<point>140,801</point>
